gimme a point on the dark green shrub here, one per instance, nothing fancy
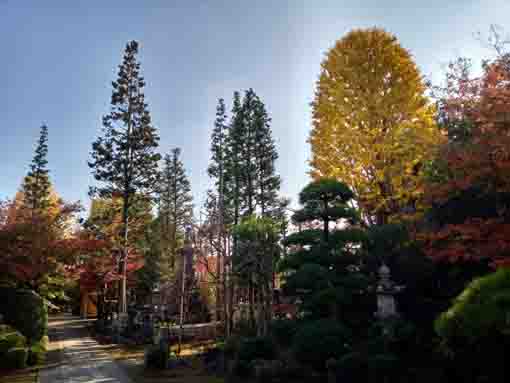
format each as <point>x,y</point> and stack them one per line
<point>10,339</point>
<point>15,358</point>
<point>256,348</point>
<point>243,351</point>
<point>26,311</point>
<point>474,331</point>
<point>243,328</point>
<point>243,368</point>
<point>283,331</point>
<point>231,346</point>
<point>317,341</point>
<point>37,352</point>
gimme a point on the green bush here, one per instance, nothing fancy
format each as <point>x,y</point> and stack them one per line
<point>256,348</point>
<point>15,358</point>
<point>37,352</point>
<point>10,339</point>
<point>480,311</point>
<point>283,331</point>
<point>243,368</point>
<point>231,346</point>
<point>243,351</point>
<point>475,331</point>
<point>317,341</point>
<point>26,311</point>
<point>244,328</point>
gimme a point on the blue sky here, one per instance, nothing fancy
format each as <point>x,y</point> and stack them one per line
<point>58,58</point>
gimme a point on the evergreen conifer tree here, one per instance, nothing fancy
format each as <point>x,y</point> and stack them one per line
<point>265,154</point>
<point>36,186</point>
<point>217,169</point>
<point>176,203</point>
<point>250,159</point>
<point>124,158</point>
<point>233,157</point>
<point>325,263</point>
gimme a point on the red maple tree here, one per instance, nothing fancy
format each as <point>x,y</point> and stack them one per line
<point>478,165</point>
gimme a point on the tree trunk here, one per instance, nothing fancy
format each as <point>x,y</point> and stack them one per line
<point>124,257</point>
<point>251,302</point>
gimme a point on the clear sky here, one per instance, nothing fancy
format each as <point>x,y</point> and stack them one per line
<point>58,58</point>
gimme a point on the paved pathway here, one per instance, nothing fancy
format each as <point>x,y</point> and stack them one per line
<point>74,357</point>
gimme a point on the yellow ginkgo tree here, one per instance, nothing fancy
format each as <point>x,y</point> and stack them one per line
<point>373,127</point>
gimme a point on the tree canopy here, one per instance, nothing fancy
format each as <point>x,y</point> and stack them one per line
<point>373,127</point>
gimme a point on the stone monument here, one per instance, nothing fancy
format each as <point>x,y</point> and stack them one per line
<point>386,303</point>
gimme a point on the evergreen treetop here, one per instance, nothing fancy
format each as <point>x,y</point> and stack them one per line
<point>36,186</point>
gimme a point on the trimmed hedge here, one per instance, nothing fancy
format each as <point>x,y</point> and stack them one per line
<point>24,310</point>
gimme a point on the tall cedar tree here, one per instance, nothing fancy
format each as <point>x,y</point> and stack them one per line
<point>124,159</point>
<point>176,203</point>
<point>217,169</point>
<point>36,186</point>
<point>216,205</point>
<point>251,154</point>
<point>265,154</point>
<point>246,132</point>
<point>233,157</point>
<point>242,166</point>
<point>252,182</point>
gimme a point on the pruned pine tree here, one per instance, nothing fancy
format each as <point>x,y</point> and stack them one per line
<point>124,158</point>
<point>176,204</point>
<point>324,263</point>
<point>36,185</point>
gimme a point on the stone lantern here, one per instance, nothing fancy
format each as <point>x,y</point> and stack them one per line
<point>386,290</point>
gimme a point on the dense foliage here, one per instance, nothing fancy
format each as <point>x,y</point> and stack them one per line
<point>26,311</point>
<point>324,265</point>
<point>373,127</point>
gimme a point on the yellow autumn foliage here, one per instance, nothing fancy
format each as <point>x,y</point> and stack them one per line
<point>373,126</point>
